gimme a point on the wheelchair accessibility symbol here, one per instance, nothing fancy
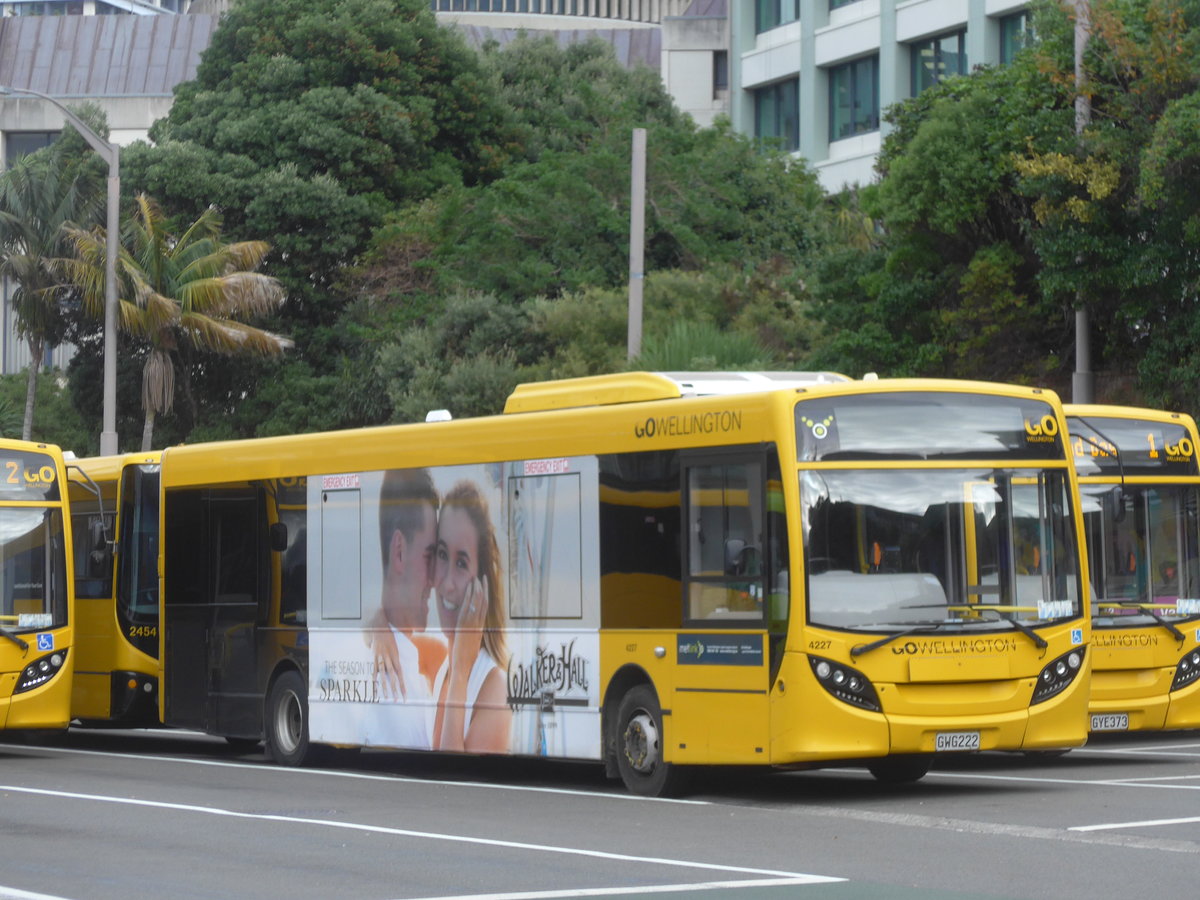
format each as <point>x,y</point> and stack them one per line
<point>45,642</point>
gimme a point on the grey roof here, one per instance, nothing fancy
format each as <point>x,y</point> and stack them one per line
<point>102,56</point>
<point>633,46</point>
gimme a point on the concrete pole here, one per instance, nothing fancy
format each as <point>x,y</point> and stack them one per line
<point>1083,380</point>
<point>108,433</point>
<point>111,155</point>
<point>637,240</point>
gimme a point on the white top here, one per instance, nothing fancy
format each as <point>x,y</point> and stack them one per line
<point>479,672</point>
<point>407,722</point>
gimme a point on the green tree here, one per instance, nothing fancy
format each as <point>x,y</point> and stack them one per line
<point>181,294</point>
<point>40,195</point>
<point>307,122</point>
<point>950,286</point>
<point>1114,221</point>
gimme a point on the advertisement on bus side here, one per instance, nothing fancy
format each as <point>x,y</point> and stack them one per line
<point>457,608</point>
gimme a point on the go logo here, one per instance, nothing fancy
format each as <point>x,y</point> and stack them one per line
<point>1184,448</point>
<point>1047,426</point>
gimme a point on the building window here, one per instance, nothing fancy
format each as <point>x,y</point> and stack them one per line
<point>770,14</point>
<point>937,59</point>
<point>49,8</point>
<point>720,72</point>
<point>838,4</point>
<point>777,114</point>
<point>854,98</point>
<point>1016,33</point>
<point>21,143</point>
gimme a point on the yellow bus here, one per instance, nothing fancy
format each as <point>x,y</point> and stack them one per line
<point>115,521</point>
<point>36,595</point>
<point>654,571</point>
<point>1139,484</point>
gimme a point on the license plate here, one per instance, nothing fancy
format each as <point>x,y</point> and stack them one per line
<point>1110,721</point>
<point>954,741</point>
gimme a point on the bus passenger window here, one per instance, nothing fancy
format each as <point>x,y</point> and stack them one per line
<point>725,514</point>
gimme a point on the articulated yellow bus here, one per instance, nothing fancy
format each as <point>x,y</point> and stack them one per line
<point>36,595</point>
<point>115,521</point>
<point>653,571</point>
<point>1139,484</point>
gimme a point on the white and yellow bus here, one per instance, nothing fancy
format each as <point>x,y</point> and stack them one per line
<point>114,523</point>
<point>1139,483</point>
<point>653,571</point>
<point>36,594</point>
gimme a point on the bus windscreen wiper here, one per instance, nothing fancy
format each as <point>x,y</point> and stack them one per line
<point>924,628</point>
<point>12,637</point>
<point>1148,609</point>
<point>1038,640</point>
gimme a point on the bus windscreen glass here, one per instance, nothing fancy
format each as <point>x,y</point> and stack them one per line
<point>1144,551</point>
<point>33,578</point>
<point>956,548</point>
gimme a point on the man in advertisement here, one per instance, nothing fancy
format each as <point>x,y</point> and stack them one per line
<point>408,504</point>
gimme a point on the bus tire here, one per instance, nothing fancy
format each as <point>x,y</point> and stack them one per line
<point>900,769</point>
<point>287,721</point>
<point>639,746</point>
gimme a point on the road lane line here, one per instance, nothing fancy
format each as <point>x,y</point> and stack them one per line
<point>994,829</point>
<point>1147,823</point>
<point>367,776</point>
<point>404,832</point>
<point>1131,781</point>
<point>654,889</point>
<point>12,893</point>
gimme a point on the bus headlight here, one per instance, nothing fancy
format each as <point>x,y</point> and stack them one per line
<point>846,683</point>
<point>1056,675</point>
<point>40,671</point>
<point>1187,670</point>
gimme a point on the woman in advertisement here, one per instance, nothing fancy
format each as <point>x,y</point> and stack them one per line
<point>472,709</point>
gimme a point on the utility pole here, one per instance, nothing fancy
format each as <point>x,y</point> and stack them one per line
<point>637,240</point>
<point>1083,381</point>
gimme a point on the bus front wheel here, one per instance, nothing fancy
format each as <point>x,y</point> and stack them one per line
<point>640,746</point>
<point>287,721</point>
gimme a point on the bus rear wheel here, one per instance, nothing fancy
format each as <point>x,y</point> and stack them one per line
<point>639,746</point>
<point>287,721</point>
<point>900,769</point>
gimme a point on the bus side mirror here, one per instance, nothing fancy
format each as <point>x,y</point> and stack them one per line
<point>279,537</point>
<point>97,533</point>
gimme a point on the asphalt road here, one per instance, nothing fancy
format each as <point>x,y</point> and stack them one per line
<point>102,815</point>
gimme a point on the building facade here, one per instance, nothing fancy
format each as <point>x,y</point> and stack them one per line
<point>815,75</point>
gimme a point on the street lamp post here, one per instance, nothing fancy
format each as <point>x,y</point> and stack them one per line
<point>111,154</point>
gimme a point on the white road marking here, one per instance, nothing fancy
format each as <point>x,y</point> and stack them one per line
<point>1131,781</point>
<point>654,889</point>
<point>997,829</point>
<point>11,893</point>
<point>405,832</point>
<point>367,776</point>
<point>1148,823</point>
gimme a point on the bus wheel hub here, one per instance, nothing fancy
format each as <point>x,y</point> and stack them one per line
<point>641,743</point>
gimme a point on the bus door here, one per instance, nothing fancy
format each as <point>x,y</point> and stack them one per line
<point>720,703</point>
<point>215,601</point>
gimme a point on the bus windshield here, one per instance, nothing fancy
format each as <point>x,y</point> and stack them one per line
<point>33,578</point>
<point>889,549</point>
<point>1143,545</point>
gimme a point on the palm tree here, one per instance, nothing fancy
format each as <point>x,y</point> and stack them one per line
<point>37,201</point>
<point>180,294</point>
